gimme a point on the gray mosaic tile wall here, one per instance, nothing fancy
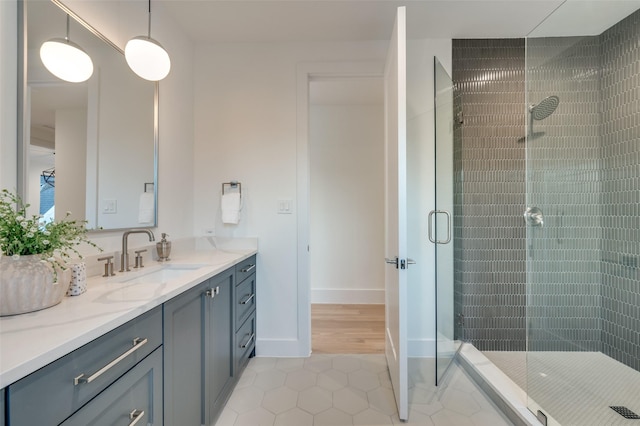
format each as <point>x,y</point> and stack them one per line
<point>489,164</point>
<point>584,174</point>
<point>620,196</point>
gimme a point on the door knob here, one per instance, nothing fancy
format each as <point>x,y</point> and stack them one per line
<point>393,261</point>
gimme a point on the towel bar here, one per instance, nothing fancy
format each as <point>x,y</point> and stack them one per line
<point>233,184</point>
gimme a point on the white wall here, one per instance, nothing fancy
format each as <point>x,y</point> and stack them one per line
<point>70,161</point>
<point>346,154</point>
<point>246,124</point>
<point>8,94</point>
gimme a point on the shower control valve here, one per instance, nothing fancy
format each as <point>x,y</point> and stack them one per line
<point>533,217</point>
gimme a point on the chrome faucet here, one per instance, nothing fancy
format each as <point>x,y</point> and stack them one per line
<point>124,257</point>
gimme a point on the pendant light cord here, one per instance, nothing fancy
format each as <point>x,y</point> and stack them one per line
<point>149,34</point>
<point>67,37</point>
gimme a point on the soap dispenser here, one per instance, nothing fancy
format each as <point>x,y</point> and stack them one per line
<point>164,248</point>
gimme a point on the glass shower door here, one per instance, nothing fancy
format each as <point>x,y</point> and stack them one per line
<point>562,219</point>
<point>582,174</point>
<point>440,221</point>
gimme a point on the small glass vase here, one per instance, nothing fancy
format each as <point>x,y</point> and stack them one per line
<point>27,284</point>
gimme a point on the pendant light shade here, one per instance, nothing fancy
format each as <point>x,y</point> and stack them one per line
<point>66,60</point>
<point>146,57</point>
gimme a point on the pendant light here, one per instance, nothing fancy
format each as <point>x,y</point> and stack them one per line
<point>65,59</point>
<point>146,57</point>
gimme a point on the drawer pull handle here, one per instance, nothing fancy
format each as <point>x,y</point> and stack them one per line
<point>248,299</point>
<point>136,416</point>
<point>137,344</point>
<point>248,268</point>
<point>253,335</point>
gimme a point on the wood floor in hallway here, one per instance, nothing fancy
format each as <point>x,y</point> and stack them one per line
<point>347,329</point>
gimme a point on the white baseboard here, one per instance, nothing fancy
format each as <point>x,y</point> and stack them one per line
<point>285,348</point>
<point>421,348</point>
<point>424,348</point>
<point>347,296</point>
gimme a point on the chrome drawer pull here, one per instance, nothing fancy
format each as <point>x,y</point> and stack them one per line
<point>136,416</point>
<point>248,299</point>
<point>137,344</point>
<point>248,268</point>
<point>253,335</point>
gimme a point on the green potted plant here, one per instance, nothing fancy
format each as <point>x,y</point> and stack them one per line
<point>33,273</point>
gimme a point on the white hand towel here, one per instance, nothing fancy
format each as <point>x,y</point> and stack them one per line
<point>146,208</point>
<point>230,205</point>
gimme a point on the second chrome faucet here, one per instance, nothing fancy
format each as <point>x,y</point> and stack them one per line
<point>124,257</point>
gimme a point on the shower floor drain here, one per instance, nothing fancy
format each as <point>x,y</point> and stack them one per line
<point>624,412</point>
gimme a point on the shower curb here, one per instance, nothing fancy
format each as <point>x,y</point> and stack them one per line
<point>504,393</point>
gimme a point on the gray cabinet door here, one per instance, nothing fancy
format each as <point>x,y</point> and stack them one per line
<point>2,407</point>
<point>184,319</point>
<point>136,395</point>
<point>219,356</point>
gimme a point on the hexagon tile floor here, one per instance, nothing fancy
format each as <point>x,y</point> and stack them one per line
<point>342,390</point>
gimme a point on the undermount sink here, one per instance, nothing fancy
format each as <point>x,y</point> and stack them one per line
<point>165,274</point>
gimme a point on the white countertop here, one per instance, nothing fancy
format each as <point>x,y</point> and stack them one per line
<point>31,341</point>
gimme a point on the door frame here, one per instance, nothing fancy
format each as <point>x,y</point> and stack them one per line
<point>306,71</point>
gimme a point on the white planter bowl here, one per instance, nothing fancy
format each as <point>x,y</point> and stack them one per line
<point>27,285</point>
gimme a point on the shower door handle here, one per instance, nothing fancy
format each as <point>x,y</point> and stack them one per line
<point>430,226</point>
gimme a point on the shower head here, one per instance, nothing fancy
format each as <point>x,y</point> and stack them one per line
<point>545,108</point>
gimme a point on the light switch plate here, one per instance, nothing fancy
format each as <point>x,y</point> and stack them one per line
<point>110,206</point>
<point>285,206</point>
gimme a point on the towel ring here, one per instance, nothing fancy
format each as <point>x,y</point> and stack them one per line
<point>233,184</point>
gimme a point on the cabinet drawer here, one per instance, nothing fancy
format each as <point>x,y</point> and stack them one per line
<point>245,300</point>
<point>245,342</point>
<point>135,398</point>
<point>245,268</point>
<point>57,390</point>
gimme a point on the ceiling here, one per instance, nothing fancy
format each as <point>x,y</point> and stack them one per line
<point>224,21</point>
<point>217,21</point>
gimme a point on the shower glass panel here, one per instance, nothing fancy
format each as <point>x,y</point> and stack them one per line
<point>441,221</point>
<point>582,214</point>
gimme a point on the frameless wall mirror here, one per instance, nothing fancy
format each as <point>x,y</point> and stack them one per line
<point>87,148</point>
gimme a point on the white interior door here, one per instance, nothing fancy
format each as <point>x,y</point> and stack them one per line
<point>396,213</point>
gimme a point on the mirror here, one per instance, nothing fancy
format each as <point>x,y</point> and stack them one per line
<point>87,148</point>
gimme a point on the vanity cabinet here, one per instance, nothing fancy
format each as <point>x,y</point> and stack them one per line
<point>198,352</point>
<point>174,365</point>
<point>2,407</point>
<point>94,380</point>
<point>205,346</point>
<point>198,357</point>
<point>184,332</point>
<point>245,314</point>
